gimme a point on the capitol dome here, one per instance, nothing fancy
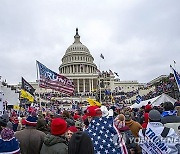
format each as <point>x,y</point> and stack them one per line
<point>78,65</point>
<point>77,59</point>
<point>77,45</point>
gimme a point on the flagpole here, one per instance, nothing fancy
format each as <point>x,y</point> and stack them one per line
<point>38,84</point>
<point>175,65</point>
<point>99,82</point>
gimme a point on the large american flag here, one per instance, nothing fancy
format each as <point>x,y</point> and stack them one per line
<point>51,80</point>
<point>105,137</point>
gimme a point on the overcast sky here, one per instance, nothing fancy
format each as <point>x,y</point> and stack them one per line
<point>138,38</point>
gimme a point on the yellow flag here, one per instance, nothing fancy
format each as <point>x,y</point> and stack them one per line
<point>16,107</point>
<point>97,103</point>
<point>25,94</point>
<point>93,102</point>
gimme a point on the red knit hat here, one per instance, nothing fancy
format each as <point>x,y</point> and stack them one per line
<point>76,116</point>
<point>73,129</point>
<point>58,126</point>
<point>93,111</point>
<point>148,107</point>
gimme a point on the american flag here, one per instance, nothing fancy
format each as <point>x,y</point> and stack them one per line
<point>105,137</point>
<point>52,80</point>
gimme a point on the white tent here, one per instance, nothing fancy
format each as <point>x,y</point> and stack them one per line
<point>155,101</point>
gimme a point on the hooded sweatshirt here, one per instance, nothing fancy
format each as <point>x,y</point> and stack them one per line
<point>54,144</point>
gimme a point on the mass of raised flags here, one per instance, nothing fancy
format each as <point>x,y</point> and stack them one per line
<point>51,80</point>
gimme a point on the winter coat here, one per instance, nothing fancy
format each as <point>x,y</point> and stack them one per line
<point>134,127</point>
<point>54,145</point>
<point>31,140</point>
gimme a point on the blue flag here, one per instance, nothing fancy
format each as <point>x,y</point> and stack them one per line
<point>177,77</point>
<point>105,137</point>
<point>138,99</point>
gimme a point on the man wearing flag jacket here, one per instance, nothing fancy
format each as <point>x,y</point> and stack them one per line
<point>103,133</point>
<point>158,139</point>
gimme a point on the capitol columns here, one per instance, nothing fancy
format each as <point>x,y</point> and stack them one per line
<point>84,90</point>
<point>90,85</point>
<point>78,85</point>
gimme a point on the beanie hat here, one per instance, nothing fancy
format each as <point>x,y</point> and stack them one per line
<point>73,129</point>
<point>76,117</point>
<point>31,121</point>
<point>154,115</point>
<point>119,121</point>
<point>58,126</point>
<point>93,111</point>
<point>7,134</point>
<point>148,107</point>
<point>10,144</point>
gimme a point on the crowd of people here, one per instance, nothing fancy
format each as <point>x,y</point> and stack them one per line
<point>95,129</point>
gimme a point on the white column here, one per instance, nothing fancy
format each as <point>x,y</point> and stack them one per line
<point>78,85</point>
<point>70,69</point>
<point>77,68</point>
<point>90,85</point>
<point>84,85</point>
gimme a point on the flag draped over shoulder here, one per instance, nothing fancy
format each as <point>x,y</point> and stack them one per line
<point>27,87</point>
<point>51,80</point>
<point>177,77</point>
<point>105,136</point>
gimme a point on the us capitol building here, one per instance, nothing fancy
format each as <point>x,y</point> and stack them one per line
<point>78,65</point>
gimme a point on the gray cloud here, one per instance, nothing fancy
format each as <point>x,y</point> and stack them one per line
<point>139,39</point>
